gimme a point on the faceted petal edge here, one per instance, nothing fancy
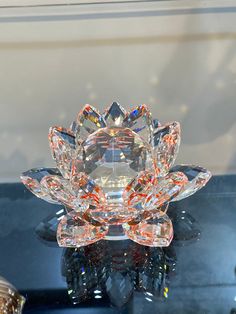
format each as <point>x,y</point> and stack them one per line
<point>62,143</point>
<point>167,188</point>
<point>140,121</point>
<point>114,115</point>
<point>59,189</point>
<point>88,121</point>
<point>197,179</point>
<point>156,232</point>
<point>73,232</point>
<point>138,189</point>
<point>166,142</point>
<point>87,189</point>
<point>32,180</point>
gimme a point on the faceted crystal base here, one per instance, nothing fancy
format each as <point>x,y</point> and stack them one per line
<point>116,233</point>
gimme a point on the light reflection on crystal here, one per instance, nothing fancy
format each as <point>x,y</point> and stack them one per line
<point>87,189</point>
<point>32,179</point>
<point>74,128</point>
<point>112,156</point>
<point>157,232</point>
<point>139,188</point>
<point>59,189</point>
<point>140,121</point>
<point>166,189</point>
<point>146,214</point>
<point>161,264</point>
<point>117,270</point>
<point>88,121</point>
<point>112,214</point>
<point>62,144</point>
<point>197,178</point>
<point>186,227</point>
<point>119,288</point>
<point>156,123</point>
<point>166,141</point>
<point>73,232</point>
<point>114,115</point>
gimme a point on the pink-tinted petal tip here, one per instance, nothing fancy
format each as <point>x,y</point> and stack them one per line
<point>73,232</point>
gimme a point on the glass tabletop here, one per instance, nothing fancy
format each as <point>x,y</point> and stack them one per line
<point>195,274</point>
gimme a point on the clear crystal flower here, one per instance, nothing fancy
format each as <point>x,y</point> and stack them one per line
<point>115,169</point>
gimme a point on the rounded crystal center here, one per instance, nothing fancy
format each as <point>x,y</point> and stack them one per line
<point>113,156</point>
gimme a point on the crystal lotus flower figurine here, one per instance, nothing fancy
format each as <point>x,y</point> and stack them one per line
<point>115,171</point>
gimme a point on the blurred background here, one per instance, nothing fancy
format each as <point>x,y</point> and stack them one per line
<point>179,57</point>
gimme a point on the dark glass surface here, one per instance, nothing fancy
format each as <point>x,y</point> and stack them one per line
<point>196,274</point>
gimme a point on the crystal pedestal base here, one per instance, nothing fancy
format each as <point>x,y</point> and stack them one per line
<point>116,232</point>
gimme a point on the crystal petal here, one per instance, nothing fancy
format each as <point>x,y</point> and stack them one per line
<point>59,189</point>
<point>87,189</point>
<point>115,115</point>
<point>73,232</point>
<point>145,214</point>
<point>32,179</point>
<point>62,144</point>
<point>140,121</point>
<point>197,178</point>
<point>166,141</point>
<point>166,189</point>
<point>156,123</point>
<point>73,127</point>
<point>88,121</point>
<point>153,232</point>
<point>139,188</point>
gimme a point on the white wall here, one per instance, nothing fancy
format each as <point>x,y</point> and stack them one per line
<point>177,56</point>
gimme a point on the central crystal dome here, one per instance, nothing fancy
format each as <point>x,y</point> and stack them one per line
<point>112,157</point>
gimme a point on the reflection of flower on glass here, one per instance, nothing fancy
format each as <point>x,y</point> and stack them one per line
<point>119,270</point>
<point>115,169</point>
